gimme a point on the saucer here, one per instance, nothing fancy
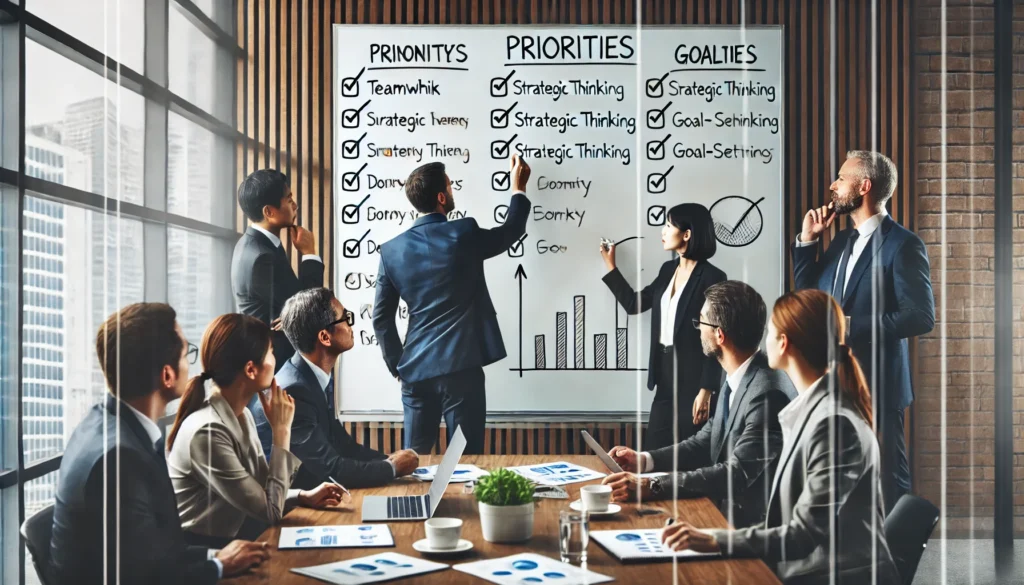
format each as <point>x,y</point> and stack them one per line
<point>423,546</point>
<point>612,509</point>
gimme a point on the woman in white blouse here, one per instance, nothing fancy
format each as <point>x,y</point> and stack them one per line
<point>217,466</point>
<point>825,519</point>
<point>684,375</point>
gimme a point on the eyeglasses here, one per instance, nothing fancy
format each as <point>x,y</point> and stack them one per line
<point>193,353</point>
<point>348,317</point>
<point>697,323</point>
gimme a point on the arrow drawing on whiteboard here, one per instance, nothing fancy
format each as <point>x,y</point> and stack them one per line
<point>520,275</point>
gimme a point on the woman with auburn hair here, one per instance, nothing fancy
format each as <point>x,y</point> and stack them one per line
<point>825,514</point>
<point>217,466</point>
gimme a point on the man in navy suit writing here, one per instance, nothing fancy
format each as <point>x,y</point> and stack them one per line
<point>437,267</point>
<point>878,271</point>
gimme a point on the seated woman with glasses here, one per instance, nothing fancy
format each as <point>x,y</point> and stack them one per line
<point>223,483</point>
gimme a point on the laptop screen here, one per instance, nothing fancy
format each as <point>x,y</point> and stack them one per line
<point>446,468</point>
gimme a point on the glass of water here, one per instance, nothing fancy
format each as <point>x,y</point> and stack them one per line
<point>574,536</point>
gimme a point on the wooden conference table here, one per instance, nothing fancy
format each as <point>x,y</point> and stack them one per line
<point>700,512</point>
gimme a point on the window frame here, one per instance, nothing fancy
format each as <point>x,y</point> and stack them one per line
<point>18,24</point>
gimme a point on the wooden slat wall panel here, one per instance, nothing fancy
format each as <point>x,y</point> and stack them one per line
<point>285,108</point>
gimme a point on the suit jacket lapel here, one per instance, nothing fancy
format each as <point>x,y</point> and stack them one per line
<point>833,266</point>
<point>718,431</point>
<point>875,242</point>
<point>790,447</point>
<point>686,295</point>
<point>737,400</point>
<point>309,380</point>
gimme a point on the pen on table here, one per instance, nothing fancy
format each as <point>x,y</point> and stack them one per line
<point>335,482</point>
<point>669,522</point>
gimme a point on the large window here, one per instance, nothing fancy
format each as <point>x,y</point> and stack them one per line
<point>117,150</point>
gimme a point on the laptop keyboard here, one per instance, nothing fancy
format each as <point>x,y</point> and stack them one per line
<point>407,506</point>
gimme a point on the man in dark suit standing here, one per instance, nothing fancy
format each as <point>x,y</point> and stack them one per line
<point>261,273</point>
<point>878,271</point>
<point>437,267</point>
<point>732,460</point>
<point>321,329</point>
<point>115,519</point>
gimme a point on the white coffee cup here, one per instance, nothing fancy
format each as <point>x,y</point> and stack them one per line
<point>595,498</point>
<point>443,533</point>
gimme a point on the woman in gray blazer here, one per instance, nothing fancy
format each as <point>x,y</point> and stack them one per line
<point>825,514</point>
<point>217,466</point>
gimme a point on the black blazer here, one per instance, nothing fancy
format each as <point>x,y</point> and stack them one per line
<point>318,438</point>
<point>696,370</point>
<point>140,509</point>
<point>262,280</point>
<point>744,449</point>
<point>904,307</point>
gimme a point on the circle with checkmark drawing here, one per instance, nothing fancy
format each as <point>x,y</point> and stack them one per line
<point>738,220</point>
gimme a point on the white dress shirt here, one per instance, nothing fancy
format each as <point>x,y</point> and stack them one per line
<point>153,430</point>
<point>324,378</point>
<point>788,415</point>
<point>669,304</point>
<point>277,244</point>
<point>865,230</point>
<point>733,380</point>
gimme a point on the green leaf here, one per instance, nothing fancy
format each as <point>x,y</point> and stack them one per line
<point>502,487</point>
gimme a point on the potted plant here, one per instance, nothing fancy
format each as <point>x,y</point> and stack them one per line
<point>506,506</point>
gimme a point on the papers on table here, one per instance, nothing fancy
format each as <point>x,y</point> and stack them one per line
<point>530,568</point>
<point>463,472</point>
<point>365,535</point>
<point>557,473</point>
<point>635,545</point>
<point>372,569</point>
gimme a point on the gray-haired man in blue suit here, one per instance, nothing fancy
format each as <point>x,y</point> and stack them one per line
<point>437,267</point>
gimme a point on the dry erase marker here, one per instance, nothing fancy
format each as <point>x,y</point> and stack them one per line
<point>606,244</point>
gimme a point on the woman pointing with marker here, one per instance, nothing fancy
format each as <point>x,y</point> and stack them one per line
<point>683,375</point>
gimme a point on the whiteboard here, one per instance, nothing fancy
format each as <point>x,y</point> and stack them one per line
<point>618,124</point>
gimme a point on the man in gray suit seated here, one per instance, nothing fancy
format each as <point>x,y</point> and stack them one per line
<point>733,458</point>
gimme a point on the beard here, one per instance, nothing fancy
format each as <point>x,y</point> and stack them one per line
<point>841,207</point>
<point>710,349</point>
<point>449,205</point>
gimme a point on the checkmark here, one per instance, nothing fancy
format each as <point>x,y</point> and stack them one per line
<point>656,215</point>
<point>350,248</point>
<point>352,281</point>
<point>350,117</point>
<point>517,248</point>
<point>350,213</point>
<point>656,148</point>
<point>350,148</point>
<point>350,85</point>
<point>350,181</point>
<point>656,182</point>
<point>656,86</point>
<point>745,214</point>
<point>499,85</point>
<point>366,311</point>
<point>499,117</point>
<point>656,118</point>
<point>499,148</point>
<point>500,213</point>
<point>500,181</point>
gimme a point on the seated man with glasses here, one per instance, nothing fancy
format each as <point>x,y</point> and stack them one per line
<point>732,460</point>
<point>320,328</point>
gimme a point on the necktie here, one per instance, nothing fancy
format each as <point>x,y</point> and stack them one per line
<point>329,391</point>
<point>724,403</point>
<point>840,284</point>
<point>158,449</point>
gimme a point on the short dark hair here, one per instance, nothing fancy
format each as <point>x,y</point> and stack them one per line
<point>261,188</point>
<point>696,218</point>
<point>739,311</point>
<point>305,315</point>
<point>133,346</point>
<point>424,184</point>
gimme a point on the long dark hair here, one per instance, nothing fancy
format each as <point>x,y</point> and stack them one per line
<point>229,343</point>
<point>815,326</point>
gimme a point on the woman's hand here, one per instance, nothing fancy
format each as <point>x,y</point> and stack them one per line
<point>608,254</point>
<point>324,495</point>
<point>280,410</point>
<point>683,536</point>
<point>701,406</point>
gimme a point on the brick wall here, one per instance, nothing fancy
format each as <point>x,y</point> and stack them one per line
<point>969,254</point>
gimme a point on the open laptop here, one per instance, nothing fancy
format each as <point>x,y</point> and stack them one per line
<point>605,458</point>
<point>397,508</point>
